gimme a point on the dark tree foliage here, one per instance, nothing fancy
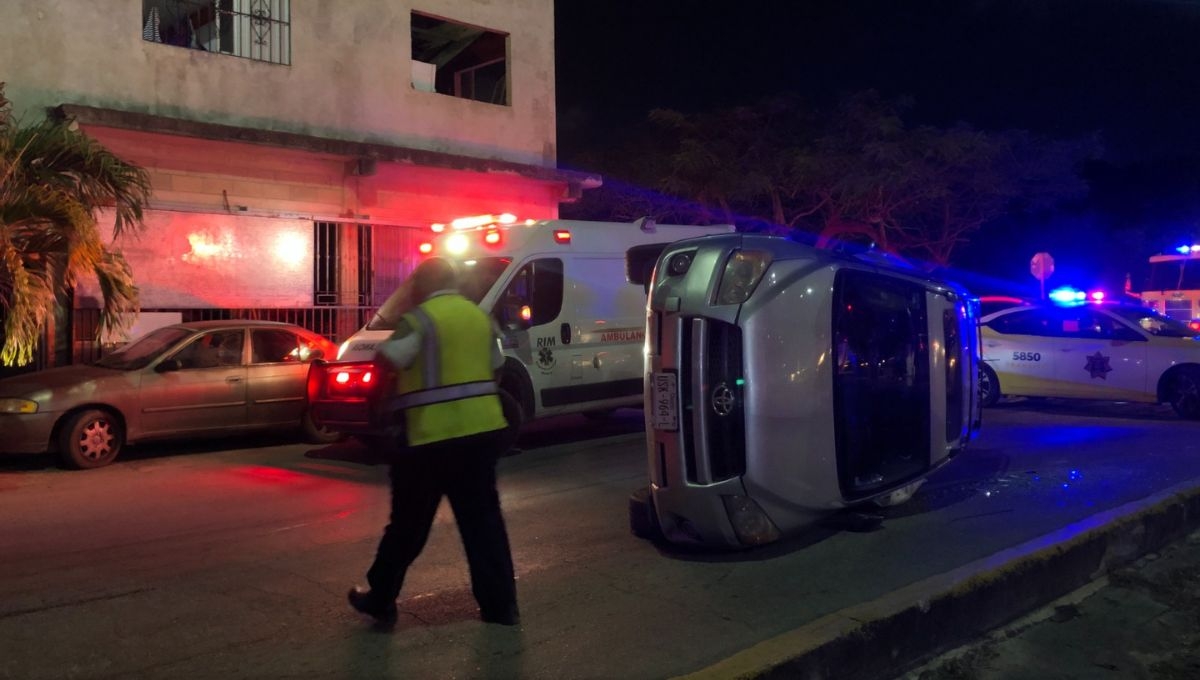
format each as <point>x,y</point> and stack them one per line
<point>854,172</point>
<point>53,180</point>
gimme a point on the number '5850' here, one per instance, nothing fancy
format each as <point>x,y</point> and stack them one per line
<point>1027,356</point>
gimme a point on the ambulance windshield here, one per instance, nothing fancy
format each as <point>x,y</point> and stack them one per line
<point>476,277</point>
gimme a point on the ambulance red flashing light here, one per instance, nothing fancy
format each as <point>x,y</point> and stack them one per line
<point>562,236</point>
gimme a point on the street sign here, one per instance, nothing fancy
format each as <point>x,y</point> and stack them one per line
<point>1041,266</point>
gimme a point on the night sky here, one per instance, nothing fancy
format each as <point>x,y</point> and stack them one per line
<point>1126,70</point>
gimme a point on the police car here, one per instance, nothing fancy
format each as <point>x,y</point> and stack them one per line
<point>1090,350</point>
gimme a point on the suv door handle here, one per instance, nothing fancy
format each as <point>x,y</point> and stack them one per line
<point>564,333</point>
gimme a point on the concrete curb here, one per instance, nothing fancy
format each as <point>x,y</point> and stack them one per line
<point>886,637</point>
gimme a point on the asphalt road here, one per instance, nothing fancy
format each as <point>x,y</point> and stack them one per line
<point>209,561</point>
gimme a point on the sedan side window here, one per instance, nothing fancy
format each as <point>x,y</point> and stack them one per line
<point>1026,322</point>
<point>273,347</point>
<point>222,348</point>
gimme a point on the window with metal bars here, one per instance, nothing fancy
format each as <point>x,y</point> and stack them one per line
<point>253,29</point>
<point>342,264</point>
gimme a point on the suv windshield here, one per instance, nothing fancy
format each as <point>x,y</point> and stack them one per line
<point>145,349</point>
<point>475,278</point>
<point>1154,323</point>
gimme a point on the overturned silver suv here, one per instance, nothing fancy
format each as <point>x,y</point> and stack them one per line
<point>784,382</point>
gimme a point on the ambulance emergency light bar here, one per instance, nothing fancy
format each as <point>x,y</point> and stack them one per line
<point>1188,250</point>
<point>457,242</point>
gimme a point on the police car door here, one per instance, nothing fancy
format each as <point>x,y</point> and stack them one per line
<point>1019,348</point>
<point>530,311</point>
<point>1099,356</point>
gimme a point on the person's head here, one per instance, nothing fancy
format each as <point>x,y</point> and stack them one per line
<point>432,275</point>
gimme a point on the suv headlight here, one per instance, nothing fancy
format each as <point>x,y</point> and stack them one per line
<point>18,406</point>
<point>742,273</point>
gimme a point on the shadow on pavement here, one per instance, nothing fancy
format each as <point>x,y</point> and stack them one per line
<point>1083,408</point>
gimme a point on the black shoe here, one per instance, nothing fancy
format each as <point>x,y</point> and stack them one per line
<point>364,602</point>
<point>506,616</point>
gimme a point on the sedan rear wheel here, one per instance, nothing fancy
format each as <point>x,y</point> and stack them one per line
<point>90,439</point>
<point>1184,393</point>
<point>989,386</point>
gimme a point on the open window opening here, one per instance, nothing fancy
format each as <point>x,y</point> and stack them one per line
<point>459,60</point>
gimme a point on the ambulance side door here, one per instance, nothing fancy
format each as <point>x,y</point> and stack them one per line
<point>609,334</point>
<point>530,314</point>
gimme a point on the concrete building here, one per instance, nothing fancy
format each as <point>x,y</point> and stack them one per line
<point>299,151</point>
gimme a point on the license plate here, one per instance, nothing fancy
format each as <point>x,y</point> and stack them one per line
<point>665,402</point>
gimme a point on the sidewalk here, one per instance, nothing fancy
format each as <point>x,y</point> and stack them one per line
<point>1140,620</point>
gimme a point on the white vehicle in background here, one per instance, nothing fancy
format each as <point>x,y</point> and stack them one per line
<point>1091,350</point>
<point>785,382</point>
<point>1172,287</point>
<point>572,325</point>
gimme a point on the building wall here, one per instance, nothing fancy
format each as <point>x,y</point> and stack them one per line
<point>350,75</point>
<point>229,177</point>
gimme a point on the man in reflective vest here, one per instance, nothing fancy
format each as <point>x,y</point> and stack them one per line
<point>445,352</point>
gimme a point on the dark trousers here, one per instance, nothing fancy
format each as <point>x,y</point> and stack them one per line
<point>463,470</point>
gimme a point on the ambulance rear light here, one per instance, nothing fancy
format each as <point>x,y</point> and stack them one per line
<point>437,228</point>
<point>345,381</point>
<point>562,236</point>
<point>491,237</point>
<point>425,248</point>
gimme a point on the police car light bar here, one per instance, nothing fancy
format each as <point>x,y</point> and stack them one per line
<point>1067,294</point>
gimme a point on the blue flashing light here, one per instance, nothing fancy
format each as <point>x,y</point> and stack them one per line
<point>739,382</point>
<point>1184,250</point>
<point>1067,295</point>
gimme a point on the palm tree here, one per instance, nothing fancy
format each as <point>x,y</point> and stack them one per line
<point>53,179</point>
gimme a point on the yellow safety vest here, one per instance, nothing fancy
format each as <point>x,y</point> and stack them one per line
<point>449,391</point>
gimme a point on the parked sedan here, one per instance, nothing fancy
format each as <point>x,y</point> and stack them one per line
<point>1091,350</point>
<point>180,381</point>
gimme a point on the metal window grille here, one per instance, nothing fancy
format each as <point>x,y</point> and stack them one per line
<point>343,264</point>
<point>253,29</point>
<point>395,256</point>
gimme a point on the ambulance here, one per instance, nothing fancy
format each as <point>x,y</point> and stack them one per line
<point>571,324</point>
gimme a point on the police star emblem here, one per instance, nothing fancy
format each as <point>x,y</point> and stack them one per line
<point>1097,366</point>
